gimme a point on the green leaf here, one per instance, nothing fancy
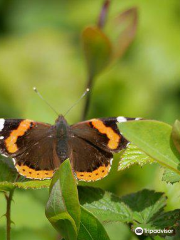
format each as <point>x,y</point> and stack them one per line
<point>63,209</point>
<point>144,208</point>
<point>91,228</point>
<point>148,211</point>
<point>104,205</point>
<point>58,215</point>
<point>10,179</point>
<point>176,134</point>
<point>153,138</point>
<point>7,170</point>
<point>31,184</point>
<point>170,176</point>
<point>145,204</point>
<point>6,186</point>
<point>133,155</point>
<point>166,219</point>
<point>123,30</point>
<point>97,50</point>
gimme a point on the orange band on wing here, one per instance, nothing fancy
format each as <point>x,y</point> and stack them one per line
<point>113,137</point>
<point>97,174</point>
<point>12,139</point>
<point>33,174</point>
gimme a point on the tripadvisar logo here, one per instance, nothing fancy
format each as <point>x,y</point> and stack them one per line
<point>139,231</point>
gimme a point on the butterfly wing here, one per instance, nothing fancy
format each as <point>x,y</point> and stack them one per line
<point>93,145</point>
<point>89,162</point>
<point>31,145</point>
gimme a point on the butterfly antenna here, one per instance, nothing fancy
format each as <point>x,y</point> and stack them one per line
<point>38,93</point>
<point>83,95</point>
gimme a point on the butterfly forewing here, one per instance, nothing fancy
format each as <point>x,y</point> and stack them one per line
<point>31,145</point>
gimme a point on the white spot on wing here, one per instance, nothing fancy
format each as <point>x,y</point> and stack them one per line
<point>121,119</point>
<point>1,137</point>
<point>2,121</point>
<point>111,161</point>
<point>14,161</point>
<point>3,155</point>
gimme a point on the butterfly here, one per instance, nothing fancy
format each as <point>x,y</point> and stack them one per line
<point>38,149</point>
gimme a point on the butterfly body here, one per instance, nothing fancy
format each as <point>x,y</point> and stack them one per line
<point>63,133</point>
<point>38,149</point>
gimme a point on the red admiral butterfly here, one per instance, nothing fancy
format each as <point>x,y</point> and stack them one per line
<point>38,149</point>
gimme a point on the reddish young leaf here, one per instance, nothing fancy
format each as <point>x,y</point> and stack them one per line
<point>124,27</point>
<point>97,50</point>
<point>103,14</point>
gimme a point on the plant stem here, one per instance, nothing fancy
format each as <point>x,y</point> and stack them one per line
<point>8,213</point>
<point>88,98</point>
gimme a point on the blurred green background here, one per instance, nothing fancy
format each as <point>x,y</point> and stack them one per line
<point>40,45</point>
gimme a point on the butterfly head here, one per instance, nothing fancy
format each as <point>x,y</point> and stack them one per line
<point>62,127</point>
<point>60,120</point>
